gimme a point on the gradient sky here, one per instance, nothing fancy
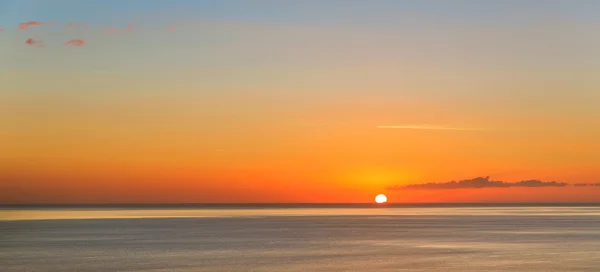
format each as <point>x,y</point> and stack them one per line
<point>298,101</point>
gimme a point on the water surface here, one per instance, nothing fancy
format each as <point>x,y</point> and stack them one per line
<point>459,238</point>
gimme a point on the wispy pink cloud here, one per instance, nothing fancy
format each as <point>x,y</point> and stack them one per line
<point>34,43</point>
<point>172,29</point>
<point>25,25</point>
<point>76,42</point>
<point>1,29</point>
<point>130,26</point>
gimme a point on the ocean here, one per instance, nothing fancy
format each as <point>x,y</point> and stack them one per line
<point>301,238</point>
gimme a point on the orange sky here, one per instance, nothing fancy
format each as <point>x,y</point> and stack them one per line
<point>250,110</point>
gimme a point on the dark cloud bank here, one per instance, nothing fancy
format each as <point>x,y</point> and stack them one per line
<point>485,182</point>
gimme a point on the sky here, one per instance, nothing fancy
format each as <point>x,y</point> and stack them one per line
<point>299,101</point>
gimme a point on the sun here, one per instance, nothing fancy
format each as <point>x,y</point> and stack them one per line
<point>381,198</point>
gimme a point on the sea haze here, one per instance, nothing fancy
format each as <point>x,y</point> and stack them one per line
<point>301,238</point>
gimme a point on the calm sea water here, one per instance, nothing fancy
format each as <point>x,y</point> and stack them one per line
<point>301,239</point>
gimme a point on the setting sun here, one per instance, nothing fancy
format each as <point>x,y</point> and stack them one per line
<point>381,198</point>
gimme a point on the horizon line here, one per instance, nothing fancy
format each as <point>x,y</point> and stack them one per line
<point>141,204</point>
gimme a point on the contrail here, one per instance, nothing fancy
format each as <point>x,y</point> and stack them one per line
<point>424,127</point>
<point>428,127</point>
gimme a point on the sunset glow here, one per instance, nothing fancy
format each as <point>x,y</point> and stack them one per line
<point>105,102</point>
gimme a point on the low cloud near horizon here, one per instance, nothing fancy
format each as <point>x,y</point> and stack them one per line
<point>586,184</point>
<point>480,182</point>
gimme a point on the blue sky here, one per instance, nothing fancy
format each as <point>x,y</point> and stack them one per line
<point>15,11</point>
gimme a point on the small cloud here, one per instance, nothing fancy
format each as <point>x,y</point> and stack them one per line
<point>428,127</point>
<point>130,26</point>
<point>35,43</point>
<point>23,26</point>
<point>76,42</point>
<point>1,29</point>
<point>112,30</point>
<point>172,29</point>
<point>477,183</point>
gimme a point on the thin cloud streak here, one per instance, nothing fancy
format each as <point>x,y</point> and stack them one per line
<point>426,127</point>
<point>586,184</point>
